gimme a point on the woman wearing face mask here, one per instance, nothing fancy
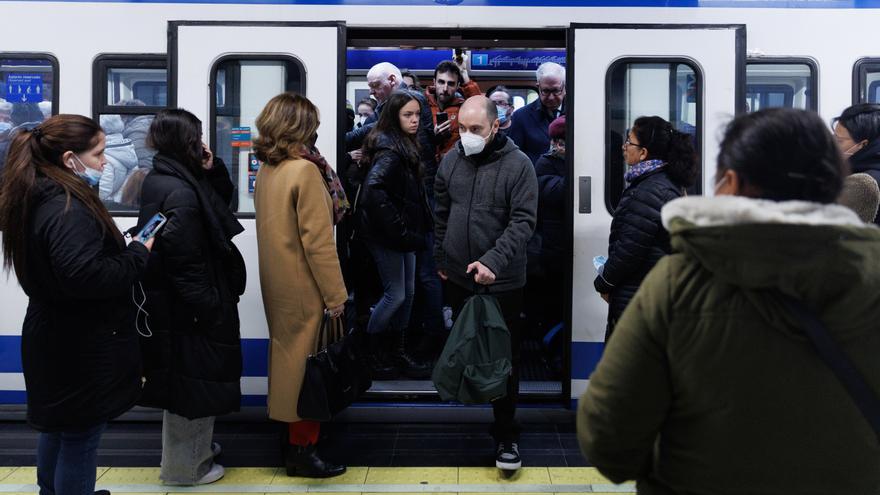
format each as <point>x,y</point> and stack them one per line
<point>662,165</point>
<point>79,344</point>
<point>194,279</point>
<point>394,219</point>
<point>710,383</point>
<point>857,131</point>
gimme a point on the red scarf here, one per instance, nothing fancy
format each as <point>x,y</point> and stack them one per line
<point>341,206</point>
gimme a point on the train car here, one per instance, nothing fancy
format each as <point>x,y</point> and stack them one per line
<point>694,63</point>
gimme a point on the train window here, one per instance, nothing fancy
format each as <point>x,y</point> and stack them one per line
<point>27,88</point>
<point>866,81</point>
<point>127,92</point>
<point>668,88</point>
<point>778,82</point>
<point>242,85</point>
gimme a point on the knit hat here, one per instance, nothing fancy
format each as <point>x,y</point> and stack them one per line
<point>557,128</point>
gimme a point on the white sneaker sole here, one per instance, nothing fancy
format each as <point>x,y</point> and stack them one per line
<point>508,466</point>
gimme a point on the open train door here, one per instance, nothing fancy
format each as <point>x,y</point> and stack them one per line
<point>224,72</point>
<point>690,75</point>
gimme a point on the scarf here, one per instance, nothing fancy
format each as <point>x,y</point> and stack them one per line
<point>341,206</point>
<point>642,168</point>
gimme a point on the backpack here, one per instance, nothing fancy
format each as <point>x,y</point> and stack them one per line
<point>476,362</point>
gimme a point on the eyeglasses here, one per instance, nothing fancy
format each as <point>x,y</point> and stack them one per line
<point>551,91</point>
<point>630,143</point>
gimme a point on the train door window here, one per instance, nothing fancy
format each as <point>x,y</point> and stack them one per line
<point>242,85</point>
<point>127,92</point>
<point>786,82</point>
<point>668,88</point>
<point>866,84</point>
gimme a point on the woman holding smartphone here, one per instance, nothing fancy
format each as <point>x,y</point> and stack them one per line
<point>79,346</point>
<point>194,279</point>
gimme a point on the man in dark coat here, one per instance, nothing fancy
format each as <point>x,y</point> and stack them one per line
<point>530,123</point>
<point>487,197</point>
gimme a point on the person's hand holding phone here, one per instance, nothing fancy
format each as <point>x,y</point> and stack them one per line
<point>443,124</point>
<point>147,244</point>
<point>207,157</point>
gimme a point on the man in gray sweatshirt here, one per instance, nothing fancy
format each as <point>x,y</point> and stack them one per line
<point>486,197</point>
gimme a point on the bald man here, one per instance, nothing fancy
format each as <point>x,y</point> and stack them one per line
<point>487,200</point>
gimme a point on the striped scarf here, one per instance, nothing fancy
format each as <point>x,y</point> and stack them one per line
<point>642,168</point>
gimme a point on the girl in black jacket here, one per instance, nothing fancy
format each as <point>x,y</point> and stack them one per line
<point>857,132</point>
<point>194,279</point>
<point>394,218</point>
<point>79,343</point>
<point>662,165</point>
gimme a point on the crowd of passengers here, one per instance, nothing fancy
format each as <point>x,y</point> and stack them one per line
<point>707,384</point>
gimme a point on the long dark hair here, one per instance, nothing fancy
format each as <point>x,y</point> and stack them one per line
<point>783,154</point>
<point>35,154</point>
<point>862,121</point>
<point>663,142</point>
<point>177,134</point>
<point>389,125</point>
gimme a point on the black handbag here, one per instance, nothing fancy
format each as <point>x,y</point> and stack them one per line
<point>336,375</point>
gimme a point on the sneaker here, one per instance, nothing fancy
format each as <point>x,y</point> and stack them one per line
<point>215,449</point>
<point>215,473</point>
<point>507,456</point>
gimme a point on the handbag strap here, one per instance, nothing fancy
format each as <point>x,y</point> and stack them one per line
<point>853,381</point>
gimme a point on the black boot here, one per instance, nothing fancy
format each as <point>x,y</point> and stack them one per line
<point>381,367</point>
<point>409,365</point>
<point>304,461</point>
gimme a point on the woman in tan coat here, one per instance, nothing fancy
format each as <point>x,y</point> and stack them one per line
<point>297,200</point>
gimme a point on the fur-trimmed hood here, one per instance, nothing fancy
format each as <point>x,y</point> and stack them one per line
<point>701,211</point>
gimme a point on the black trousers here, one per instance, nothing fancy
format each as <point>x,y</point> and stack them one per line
<point>505,428</point>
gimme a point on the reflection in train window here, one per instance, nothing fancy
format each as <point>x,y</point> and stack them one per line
<point>128,90</point>
<point>787,83</point>
<point>668,88</point>
<point>866,86</point>
<point>241,87</point>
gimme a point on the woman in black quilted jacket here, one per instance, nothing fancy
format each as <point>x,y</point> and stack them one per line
<point>662,164</point>
<point>394,218</point>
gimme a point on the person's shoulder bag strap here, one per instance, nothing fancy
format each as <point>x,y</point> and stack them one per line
<point>853,381</point>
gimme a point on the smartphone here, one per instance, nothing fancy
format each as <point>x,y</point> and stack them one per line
<point>152,227</point>
<point>442,117</point>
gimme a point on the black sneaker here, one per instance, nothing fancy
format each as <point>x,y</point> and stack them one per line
<point>507,456</point>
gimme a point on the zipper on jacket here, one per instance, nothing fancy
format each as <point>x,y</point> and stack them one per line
<point>470,207</point>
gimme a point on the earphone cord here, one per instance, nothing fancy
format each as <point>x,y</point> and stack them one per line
<point>140,305</point>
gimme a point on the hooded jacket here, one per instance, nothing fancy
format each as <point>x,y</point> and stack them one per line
<point>393,209</point>
<point>79,345</point>
<point>486,210</point>
<point>867,160</point>
<point>709,384</point>
<point>121,159</point>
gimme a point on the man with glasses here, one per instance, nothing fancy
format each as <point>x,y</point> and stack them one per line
<point>530,123</point>
<point>500,96</point>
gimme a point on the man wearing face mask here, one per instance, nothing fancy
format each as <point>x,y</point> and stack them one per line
<point>530,123</point>
<point>486,210</point>
<point>857,131</point>
<point>500,96</point>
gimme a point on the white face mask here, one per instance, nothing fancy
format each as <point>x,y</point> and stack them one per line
<point>472,143</point>
<point>850,151</point>
<point>719,184</point>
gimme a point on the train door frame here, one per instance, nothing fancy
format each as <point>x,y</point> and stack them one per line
<point>484,38</point>
<point>584,187</point>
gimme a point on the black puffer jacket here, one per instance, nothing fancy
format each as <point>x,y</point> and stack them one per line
<point>79,345</point>
<point>194,279</point>
<point>867,160</point>
<point>393,208</point>
<point>552,188</point>
<point>638,239</point>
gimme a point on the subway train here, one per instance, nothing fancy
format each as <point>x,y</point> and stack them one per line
<point>695,63</point>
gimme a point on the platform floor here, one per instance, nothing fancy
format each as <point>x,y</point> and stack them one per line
<point>358,480</point>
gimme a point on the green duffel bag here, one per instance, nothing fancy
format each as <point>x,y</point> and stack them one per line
<point>476,362</point>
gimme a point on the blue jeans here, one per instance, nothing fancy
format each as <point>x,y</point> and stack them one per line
<point>67,461</point>
<point>430,301</point>
<point>398,273</point>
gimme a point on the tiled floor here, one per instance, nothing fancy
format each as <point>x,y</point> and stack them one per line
<point>363,480</point>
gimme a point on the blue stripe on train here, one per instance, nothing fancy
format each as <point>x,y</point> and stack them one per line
<point>785,4</point>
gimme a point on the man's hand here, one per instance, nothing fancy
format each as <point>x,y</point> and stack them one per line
<point>444,127</point>
<point>442,274</point>
<point>483,275</point>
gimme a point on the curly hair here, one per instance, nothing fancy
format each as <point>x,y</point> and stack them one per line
<point>287,124</point>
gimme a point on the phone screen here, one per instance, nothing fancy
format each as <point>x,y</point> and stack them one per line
<point>152,227</point>
<point>442,117</point>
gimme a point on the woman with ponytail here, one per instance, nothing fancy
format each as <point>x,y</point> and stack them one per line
<point>79,343</point>
<point>662,165</point>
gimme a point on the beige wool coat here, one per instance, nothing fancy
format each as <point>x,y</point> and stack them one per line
<point>299,272</point>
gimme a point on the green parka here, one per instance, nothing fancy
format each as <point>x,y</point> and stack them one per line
<point>708,384</point>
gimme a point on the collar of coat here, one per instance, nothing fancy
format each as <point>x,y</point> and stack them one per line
<point>702,211</point>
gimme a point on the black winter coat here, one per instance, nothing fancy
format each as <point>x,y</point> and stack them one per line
<point>867,160</point>
<point>552,188</point>
<point>194,279</point>
<point>79,345</point>
<point>393,207</point>
<point>638,239</point>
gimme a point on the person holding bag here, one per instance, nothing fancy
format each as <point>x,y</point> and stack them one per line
<point>298,200</point>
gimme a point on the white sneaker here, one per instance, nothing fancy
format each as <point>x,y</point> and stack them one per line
<point>507,456</point>
<point>215,473</point>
